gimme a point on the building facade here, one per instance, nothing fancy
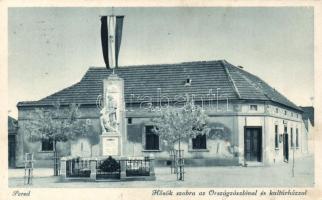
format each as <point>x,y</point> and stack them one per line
<point>251,123</point>
<point>308,119</point>
<point>12,134</point>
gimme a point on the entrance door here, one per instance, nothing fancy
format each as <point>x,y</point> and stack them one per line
<point>253,144</point>
<point>285,147</point>
<point>12,150</point>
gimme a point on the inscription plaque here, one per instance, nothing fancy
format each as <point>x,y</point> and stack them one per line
<point>110,146</point>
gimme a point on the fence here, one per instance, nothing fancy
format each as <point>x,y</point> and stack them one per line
<point>107,168</point>
<point>56,159</point>
<point>138,167</point>
<point>179,164</point>
<point>77,167</point>
<point>172,162</point>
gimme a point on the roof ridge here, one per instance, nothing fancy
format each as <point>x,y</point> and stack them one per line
<point>231,79</point>
<point>255,85</point>
<point>163,64</point>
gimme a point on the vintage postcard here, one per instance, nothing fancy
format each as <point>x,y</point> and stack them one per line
<point>176,100</point>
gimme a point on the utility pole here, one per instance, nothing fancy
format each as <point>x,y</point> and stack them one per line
<point>293,163</point>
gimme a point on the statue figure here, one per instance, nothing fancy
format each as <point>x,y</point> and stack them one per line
<point>108,116</point>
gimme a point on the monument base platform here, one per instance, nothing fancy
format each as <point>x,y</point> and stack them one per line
<point>123,168</point>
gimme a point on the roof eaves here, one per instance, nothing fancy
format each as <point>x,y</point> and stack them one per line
<point>42,102</point>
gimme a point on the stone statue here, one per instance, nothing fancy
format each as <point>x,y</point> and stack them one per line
<point>108,116</point>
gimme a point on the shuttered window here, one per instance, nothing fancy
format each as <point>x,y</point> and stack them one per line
<point>47,145</point>
<point>292,139</point>
<point>297,138</point>
<point>276,136</point>
<point>199,142</point>
<point>151,139</point>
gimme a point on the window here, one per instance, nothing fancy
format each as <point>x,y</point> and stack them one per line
<point>297,138</point>
<point>253,107</point>
<point>129,120</point>
<point>47,145</point>
<point>199,142</point>
<point>276,110</point>
<point>291,114</point>
<point>276,136</point>
<point>285,129</point>
<point>285,112</point>
<point>188,81</point>
<point>151,139</point>
<point>292,143</point>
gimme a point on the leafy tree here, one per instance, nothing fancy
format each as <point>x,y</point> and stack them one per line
<point>177,124</point>
<point>59,124</point>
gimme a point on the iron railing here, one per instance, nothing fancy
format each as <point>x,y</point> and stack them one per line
<point>77,167</point>
<point>137,167</point>
<point>108,168</point>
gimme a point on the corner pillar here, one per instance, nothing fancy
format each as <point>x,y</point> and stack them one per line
<point>93,164</point>
<point>63,172</point>
<point>123,169</point>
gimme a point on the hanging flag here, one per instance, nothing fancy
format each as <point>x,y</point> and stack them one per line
<point>118,32</point>
<point>104,39</point>
<point>111,34</point>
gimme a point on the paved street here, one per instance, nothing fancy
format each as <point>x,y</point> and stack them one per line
<point>279,175</point>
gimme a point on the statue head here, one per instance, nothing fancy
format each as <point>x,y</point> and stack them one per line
<point>103,111</point>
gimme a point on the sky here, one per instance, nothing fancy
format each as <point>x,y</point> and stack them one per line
<point>52,48</point>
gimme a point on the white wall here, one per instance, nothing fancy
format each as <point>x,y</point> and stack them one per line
<point>83,148</point>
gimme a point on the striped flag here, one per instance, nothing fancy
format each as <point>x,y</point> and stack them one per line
<point>111,34</point>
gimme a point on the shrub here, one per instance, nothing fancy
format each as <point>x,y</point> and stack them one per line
<point>109,165</point>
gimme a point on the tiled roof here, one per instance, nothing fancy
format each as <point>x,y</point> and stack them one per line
<point>234,83</point>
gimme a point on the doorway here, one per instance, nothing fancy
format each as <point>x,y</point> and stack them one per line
<point>253,144</point>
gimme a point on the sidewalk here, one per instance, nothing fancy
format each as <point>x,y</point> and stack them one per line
<point>279,175</point>
<point>38,172</point>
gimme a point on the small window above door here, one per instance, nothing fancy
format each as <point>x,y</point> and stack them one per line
<point>253,107</point>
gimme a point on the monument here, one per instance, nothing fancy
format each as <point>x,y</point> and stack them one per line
<point>113,138</point>
<point>112,117</point>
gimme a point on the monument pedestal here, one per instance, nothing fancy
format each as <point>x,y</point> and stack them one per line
<point>111,145</point>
